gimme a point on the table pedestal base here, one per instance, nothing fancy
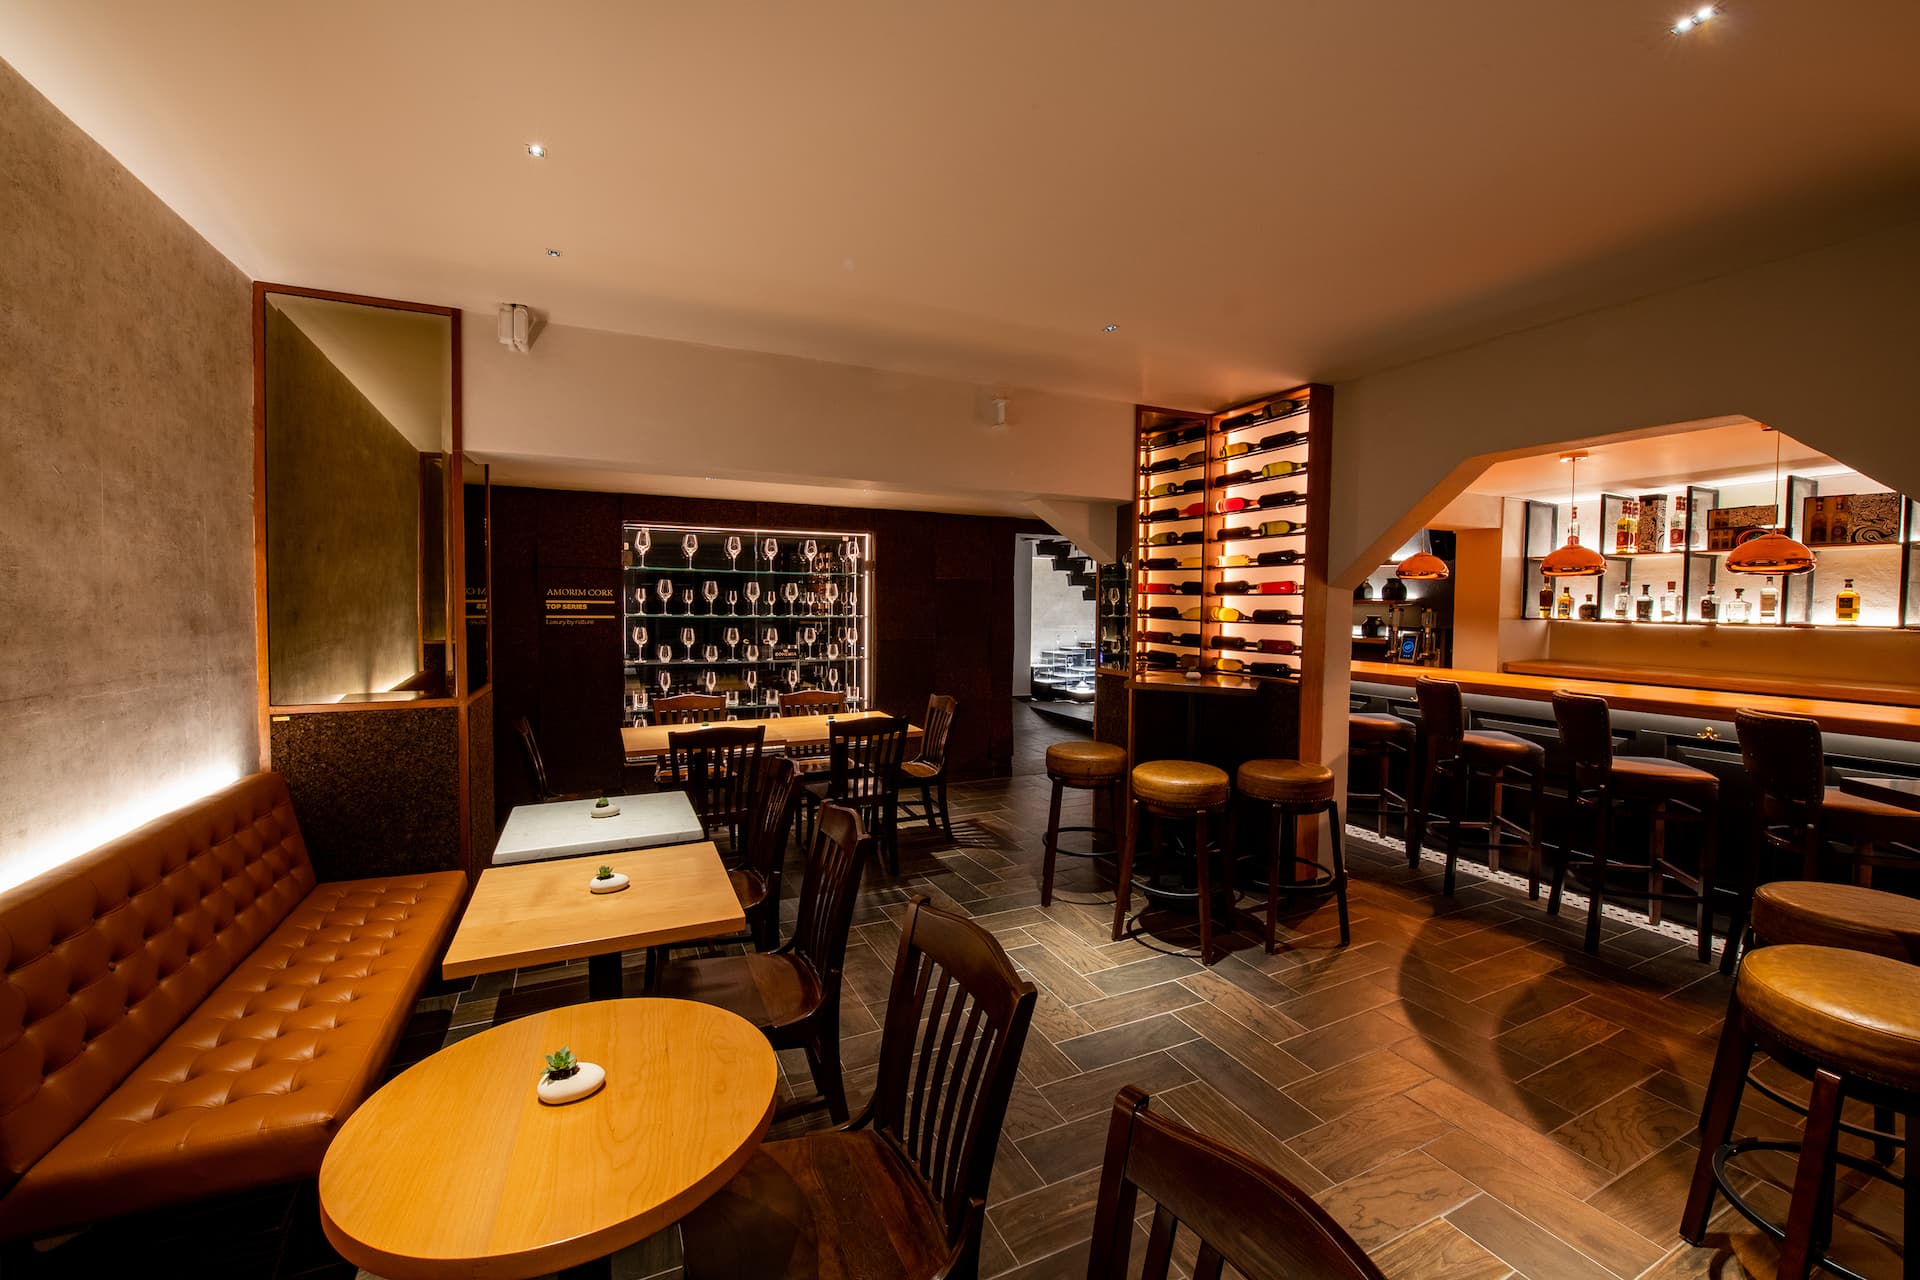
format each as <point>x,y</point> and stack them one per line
<point>605,978</point>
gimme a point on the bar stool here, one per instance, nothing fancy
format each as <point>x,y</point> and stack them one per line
<point>1292,789</point>
<point>1602,781</point>
<point>1461,756</point>
<point>1376,737</point>
<point>1099,767</point>
<point>1850,1021</point>
<point>1185,791</point>
<point>1797,814</point>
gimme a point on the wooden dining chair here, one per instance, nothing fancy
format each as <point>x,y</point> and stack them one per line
<point>812,702</point>
<point>756,882</point>
<point>863,771</point>
<point>792,993</point>
<point>928,770</point>
<point>902,1190</point>
<point>543,792</point>
<point>1243,1214</point>
<point>689,708</point>
<point>719,765</point>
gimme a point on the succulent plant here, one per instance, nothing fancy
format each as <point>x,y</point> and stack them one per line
<point>601,803</point>
<point>605,873</point>
<point>561,1064</point>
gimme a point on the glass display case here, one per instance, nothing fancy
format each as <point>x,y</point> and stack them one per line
<point>747,614</point>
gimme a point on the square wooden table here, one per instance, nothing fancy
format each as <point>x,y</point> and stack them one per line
<point>784,733</point>
<point>543,912</point>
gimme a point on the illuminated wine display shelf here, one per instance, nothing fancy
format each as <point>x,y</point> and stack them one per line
<point>747,614</point>
<point>1220,539</point>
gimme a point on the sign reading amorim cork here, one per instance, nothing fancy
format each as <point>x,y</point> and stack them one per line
<point>580,606</point>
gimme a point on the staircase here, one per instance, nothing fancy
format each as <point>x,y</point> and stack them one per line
<point>1069,560</point>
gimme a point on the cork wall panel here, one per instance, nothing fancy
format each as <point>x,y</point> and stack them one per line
<point>377,792</point>
<point>126,451</point>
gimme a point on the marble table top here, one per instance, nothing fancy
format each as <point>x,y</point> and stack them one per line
<point>566,829</point>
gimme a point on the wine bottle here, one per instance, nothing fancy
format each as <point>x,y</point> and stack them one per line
<point>1270,668</point>
<point>1191,536</point>
<point>1228,642</point>
<point>1160,562</point>
<point>1197,458</point>
<point>1222,613</point>
<point>1270,558</point>
<point>1192,615</point>
<point>1234,448</point>
<point>1240,420</point>
<point>1166,611</point>
<point>1193,510</point>
<point>1230,666</point>
<point>1165,539</point>
<point>1235,561</point>
<point>1283,440</point>
<point>1226,505</point>
<point>1846,605</point>
<point>1156,588</point>
<point>1236,532</point>
<point>1162,513</point>
<point>1165,490</point>
<point>1191,588</point>
<point>1236,477</point>
<point>1277,646</point>
<point>1195,485</point>
<point>1283,498</point>
<point>1280,587</point>
<point>1234,587</point>
<point>1274,470</point>
<point>1164,464</point>
<point>1275,617</point>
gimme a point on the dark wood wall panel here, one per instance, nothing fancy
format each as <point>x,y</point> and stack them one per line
<point>943,622</point>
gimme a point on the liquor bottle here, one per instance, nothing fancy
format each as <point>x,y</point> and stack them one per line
<point>1621,600</point>
<point>1739,609</point>
<point>1277,528</point>
<point>1769,601</point>
<point>1643,606</point>
<point>1223,613</point>
<point>1817,527</point>
<point>1709,607</point>
<point>1275,616</point>
<point>1623,536</point>
<point>1846,605</point>
<point>1670,603</point>
<point>1283,440</point>
<point>1234,448</point>
<point>1283,498</point>
<point>1563,603</point>
<point>1546,599</point>
<point>1840,528</point>
<point>1677,523</point>
<point>1589,611</point>
<point>1271,558</point>
<point>1274,470</point>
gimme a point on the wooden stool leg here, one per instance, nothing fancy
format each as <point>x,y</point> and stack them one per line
<point>1052,845</point>
<point>1536,800</point>
<point>1912,1187</point>
<point>1280,831</point>
<point>1709,872</point>
<point>1123,883</point>
<point>1810,1216</point>
<point>1340,873</point>
<point>1201,859</point>
<point>1498,802</point>
<point>1883,1148</point>
<point>1597,895</point>
<point>1656,855</point>
<point>1728,1082</point>
<point>1460,779</point>
<point>1420,785</point>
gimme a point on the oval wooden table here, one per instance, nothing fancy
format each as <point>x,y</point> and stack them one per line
<point>455,1168</point>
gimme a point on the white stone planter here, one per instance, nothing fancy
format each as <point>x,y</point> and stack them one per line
<point>605,811</point>
<point>587,1080</point>
<point>612,884</point>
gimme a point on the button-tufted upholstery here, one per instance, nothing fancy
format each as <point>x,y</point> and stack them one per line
<point>184,1012</point>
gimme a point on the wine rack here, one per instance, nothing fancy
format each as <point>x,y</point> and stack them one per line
<point>1221,538</point>
<point>745,613</point>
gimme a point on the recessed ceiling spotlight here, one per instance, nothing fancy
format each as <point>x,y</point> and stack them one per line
<point>553,253</point>
<point>537,151</point>
<point>1112,328</point>
<point>1694,19</point>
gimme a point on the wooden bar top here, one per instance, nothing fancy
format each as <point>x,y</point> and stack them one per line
<point>1866,719</point>
<point>1850,691</point>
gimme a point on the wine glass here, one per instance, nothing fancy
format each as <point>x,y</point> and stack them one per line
<point>666,681</point>
<point>852,635</point>
<point>711,590</point>
<point>753,598</point>
<point>686,602</point>
<point>793,678</point>
<point>753,653</point>
<point>833,678</point>
<point>665,653</point>
<point>643,543</point>
<point>807,636</point>
<point>733,641</point>
<point>811,550</point>
<point>640,641</point>
<point>833,651</point>
<point>711,652</point>
<point>686,639</point>
<point>708,680</point>
<point>771,638</point>
<point>733,550</point>
<point>640,599</point>
<point>792,593</point>
<point>771,547</point>
<point>853,552</point>
<point>832,593</point>
<point>753,679</point>
<point>688,545</point>
<point>733,603</point>
<point>663,589</point>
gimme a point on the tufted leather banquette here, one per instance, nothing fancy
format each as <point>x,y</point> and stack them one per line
<point>185,1012</point>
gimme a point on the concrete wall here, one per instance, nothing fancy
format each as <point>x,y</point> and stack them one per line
<point>343,531</point>
<point>1059,615</point>
<point>126,457</point>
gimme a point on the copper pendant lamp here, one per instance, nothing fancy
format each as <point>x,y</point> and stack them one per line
<point>1422,566</point>
<point>1573,560</point>
<point>1773,551</point>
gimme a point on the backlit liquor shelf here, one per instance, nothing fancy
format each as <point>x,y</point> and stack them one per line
<point>1221,520</point>
<point>746,614</point>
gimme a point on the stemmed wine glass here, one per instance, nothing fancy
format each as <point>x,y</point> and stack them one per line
<point>753,653</point>
<point>640,599</point>
<point>771,638</point>
<point>753,678</point>
<point>853,639</point>
<point>711,590</point>
<point>793,677</point>
<point>733,550</point>
<point>833,651</point>
<point>753,599</point>
<point>666,681</point>
<point>853,555</point>
<point>807,636</point>
<point>643,543</point>
<point>832,593</point>
<point>710,652</point>
<point>663,589</point>
<point>811,550</point>
<point>772,548</point>
<point>640,641</point>
<point>708,680</point>
<point>833,678</point>
<point>686,638</point>
<point>686,602</point>
<point>689,544</point>
<point>733,641</point>
<point>792,593</point>
<point>664,653</point>
<point>733,603</point>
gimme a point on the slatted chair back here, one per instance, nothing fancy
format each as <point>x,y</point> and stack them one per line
<point>934,732</point>
<point>863,758</point>
<point>1586,736</point>
<point>1443,717</point>
<point>1243,1214</point>
<point>689,708</point>
<point>956,1021</point>
<point>1786,764</point>
<point>719,765</point>
<point>838,857</point>
<point>535,763</point>
<point>812,702</point>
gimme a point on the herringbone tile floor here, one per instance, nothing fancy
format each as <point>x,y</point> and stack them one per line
<point>1463,1088</point>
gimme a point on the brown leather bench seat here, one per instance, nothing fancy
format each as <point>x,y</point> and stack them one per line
<point>185,1012</point>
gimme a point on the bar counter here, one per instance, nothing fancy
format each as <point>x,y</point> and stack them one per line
<point>1870,720</point>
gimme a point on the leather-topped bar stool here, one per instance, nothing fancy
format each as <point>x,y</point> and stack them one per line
<point>1374,737</point>
<point>1664,789</point>
<point>1099,767</point>
<point>1850,1021</point>
<point>1292,789</point>
<point>1459,756</point>
<point>1183,791</point>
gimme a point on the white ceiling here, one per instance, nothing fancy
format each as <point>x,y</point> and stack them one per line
<point>1257,192</point>
<point>1741,453</point>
